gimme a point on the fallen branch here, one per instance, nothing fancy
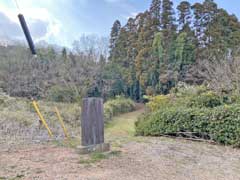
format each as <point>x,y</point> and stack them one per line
<point>190,139</point>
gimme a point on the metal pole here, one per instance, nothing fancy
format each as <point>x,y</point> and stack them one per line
<point>41,118</point>
<point>61,122</point>
<point>27,33</point>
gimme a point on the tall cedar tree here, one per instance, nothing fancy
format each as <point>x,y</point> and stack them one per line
<point>198,11</point>
<point>168,28</point>
<point>143,48</point>
<point>155,9</point>
<point>184,15</point>
<point>184,25</point>
<point>131,28</point>
<point>114,37</point>
<point>155,12</point>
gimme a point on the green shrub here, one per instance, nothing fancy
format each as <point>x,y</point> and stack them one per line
<point>204,99</point>
<point>193,110</point>
<point>207,99</point>
<point>62,94</point>
<point>221,124</point>
<point>158,102</point>
<point>117,106</point>
<point>166,101</point>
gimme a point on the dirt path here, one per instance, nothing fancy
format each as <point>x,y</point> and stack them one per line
<point>139,159</point>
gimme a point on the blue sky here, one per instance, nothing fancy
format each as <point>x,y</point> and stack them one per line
<point>63,21</point>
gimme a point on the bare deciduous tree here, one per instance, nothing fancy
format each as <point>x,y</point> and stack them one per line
<point>222,76</point>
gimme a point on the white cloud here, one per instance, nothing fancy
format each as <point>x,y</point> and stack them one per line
<point>36,18</point>
<point>131,15</point>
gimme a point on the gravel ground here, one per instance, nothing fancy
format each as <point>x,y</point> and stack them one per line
<point>150,158</point>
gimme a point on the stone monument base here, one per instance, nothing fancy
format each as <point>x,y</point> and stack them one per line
<point>104,147</point>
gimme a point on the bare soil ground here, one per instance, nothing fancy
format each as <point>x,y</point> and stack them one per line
<point>132,158</point>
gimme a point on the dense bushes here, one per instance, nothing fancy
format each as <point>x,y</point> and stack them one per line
<point>208,99</point>
<point>221,124</point>
<point>195,98</point>
<point>201,114</point>
<point>117,106</point>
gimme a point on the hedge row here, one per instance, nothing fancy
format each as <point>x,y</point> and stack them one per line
<point>221,124</point>
<point>117,106</point>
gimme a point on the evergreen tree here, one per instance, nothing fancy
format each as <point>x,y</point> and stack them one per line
<point>223,34</point>
<point>184,15</point>
<point>185,30</point>
<point>155,12</point>
<point>155,9</point>
<point>142,60</point>
<point>114,37</point>
<point>168,29</point>
<point>169,33</point>
<point>120,63</point>
<point>198,10</point>
<point>130,75</point>
<point>167,16</point>
<point>210,12</point>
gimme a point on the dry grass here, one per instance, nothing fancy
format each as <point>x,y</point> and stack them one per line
<point>19,122</point>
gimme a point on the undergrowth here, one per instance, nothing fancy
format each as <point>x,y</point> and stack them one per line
<point>194,112</point>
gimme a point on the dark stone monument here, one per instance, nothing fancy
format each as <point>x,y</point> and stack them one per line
<point>92,123</point>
